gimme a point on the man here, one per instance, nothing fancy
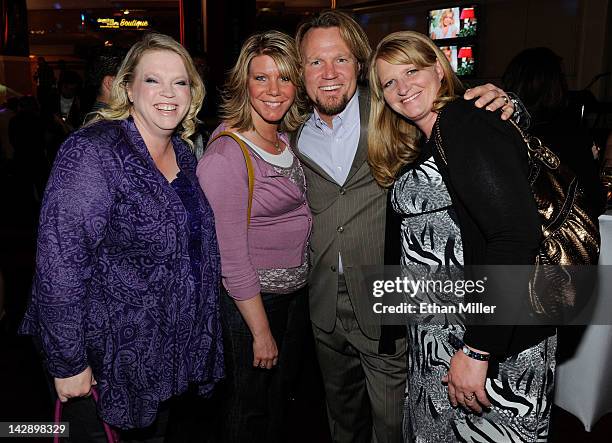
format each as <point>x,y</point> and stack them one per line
<point>101,76</point>
<point>68,102</point>
<point>364,376</point>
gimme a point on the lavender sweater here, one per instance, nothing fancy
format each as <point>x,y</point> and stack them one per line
<point>280,217</point>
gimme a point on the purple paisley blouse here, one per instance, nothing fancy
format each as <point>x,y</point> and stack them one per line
<point>114,286</point>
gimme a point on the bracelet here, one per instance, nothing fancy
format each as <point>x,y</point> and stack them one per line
<point>520,115</point>
<point>458,344</point>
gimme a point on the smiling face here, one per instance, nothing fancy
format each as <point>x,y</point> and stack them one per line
<point>330,70</point>
<point>447,19</point>
<point>411,91</point>
<point>270,93</point>
<point>160,93</point>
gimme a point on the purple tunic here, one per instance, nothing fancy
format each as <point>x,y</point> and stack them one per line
<point>114,286</point>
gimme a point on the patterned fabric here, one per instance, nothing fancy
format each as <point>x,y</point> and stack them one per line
<point>114,286</point>
<point>429,224</point>
<point>293,172</point>
<point>522,392</point>
<point>287,280</point>
<point>190,199</point>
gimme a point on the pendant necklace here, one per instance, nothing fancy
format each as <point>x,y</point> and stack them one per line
<point>276,143</point>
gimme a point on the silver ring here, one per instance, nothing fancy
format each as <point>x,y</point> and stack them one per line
<point>506,99</point>
<point>470,397</point>
<point>262,365</point>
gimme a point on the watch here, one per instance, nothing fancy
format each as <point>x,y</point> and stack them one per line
<point>475,355</point>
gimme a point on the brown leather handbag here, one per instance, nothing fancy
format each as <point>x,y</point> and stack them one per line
<point>570,234</point>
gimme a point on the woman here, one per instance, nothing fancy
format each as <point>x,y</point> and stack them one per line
<point>125,295</point>
<point>467,203</point>
<point>262,238</point>
<point>446,25</point>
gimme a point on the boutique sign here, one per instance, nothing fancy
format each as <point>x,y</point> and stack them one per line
<point>124,23</point>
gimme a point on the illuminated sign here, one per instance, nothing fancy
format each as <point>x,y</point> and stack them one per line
<point>111,23</point>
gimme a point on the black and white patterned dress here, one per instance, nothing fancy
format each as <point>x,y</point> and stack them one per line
<point>522,392</point>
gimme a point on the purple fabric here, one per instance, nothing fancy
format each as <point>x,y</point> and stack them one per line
<point>191,201</point>
<point>113,287</point>
<point>280,217</point>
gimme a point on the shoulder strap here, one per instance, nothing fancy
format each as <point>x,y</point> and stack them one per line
<point>536,149</point>
<point>249,165</point>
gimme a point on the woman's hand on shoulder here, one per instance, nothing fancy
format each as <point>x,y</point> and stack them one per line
<point>492,98</point>
<point>76,386</point>
<point>466,379</point>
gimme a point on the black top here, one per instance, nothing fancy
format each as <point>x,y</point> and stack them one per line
<point>487,179</point>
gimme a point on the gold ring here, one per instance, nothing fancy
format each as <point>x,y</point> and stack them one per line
<point>505,97</point>
<point>470,397</point>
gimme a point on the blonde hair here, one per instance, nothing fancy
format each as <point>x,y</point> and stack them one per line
<point>236,107</point>
<point>446,13</point>
<point>392,140</point>
<point>350,31</point>
<point>119,105</point>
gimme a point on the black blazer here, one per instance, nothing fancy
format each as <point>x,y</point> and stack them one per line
<point>487,179</point>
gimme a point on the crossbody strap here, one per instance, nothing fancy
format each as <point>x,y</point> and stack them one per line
<point>249,165</point>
